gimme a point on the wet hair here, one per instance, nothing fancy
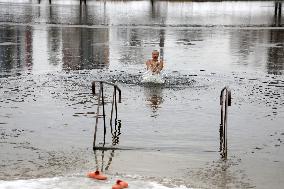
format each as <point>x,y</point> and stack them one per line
<point>155,51</point>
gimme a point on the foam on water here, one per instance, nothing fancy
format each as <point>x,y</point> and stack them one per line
<point>75,182</point>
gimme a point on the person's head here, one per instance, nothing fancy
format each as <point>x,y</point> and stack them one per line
<point>155,54</point>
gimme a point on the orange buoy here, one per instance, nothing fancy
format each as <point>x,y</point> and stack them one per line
<point>97,175</point>
<point>122,183</point>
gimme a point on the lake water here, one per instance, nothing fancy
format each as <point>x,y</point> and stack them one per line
<point>50,54</point>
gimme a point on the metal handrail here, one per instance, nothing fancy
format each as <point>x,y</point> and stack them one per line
<point>114,85</point>
<point>225,101</point>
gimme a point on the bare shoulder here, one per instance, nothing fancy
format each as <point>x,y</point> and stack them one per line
<point>148,62</point>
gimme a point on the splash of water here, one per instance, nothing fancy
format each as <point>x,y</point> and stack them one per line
<point>149,77</point>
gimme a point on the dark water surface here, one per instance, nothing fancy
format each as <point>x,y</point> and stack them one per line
<point>50,54</point>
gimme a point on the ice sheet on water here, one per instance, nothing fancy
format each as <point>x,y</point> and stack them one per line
<point>75,182</point>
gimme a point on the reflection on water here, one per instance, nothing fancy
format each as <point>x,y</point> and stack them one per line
<point>236,13</point>
<point>277,13</point>
<point>275,62</point>
<point>154,98</point>
<point>103,159</point>
<point>222,175</point>
<point>109,34</point>
<point>85,48</point>
<point>16,48</point>
<point>116,132</point>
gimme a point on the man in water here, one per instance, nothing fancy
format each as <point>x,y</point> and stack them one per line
<point>155,65</point>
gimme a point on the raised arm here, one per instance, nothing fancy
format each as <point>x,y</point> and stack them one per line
<point>159,67</point>
<point>148,64</point>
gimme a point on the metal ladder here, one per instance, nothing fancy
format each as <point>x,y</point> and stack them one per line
<point>101,102</point>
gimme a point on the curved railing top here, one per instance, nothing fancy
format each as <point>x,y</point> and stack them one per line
<point>108,83</point>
